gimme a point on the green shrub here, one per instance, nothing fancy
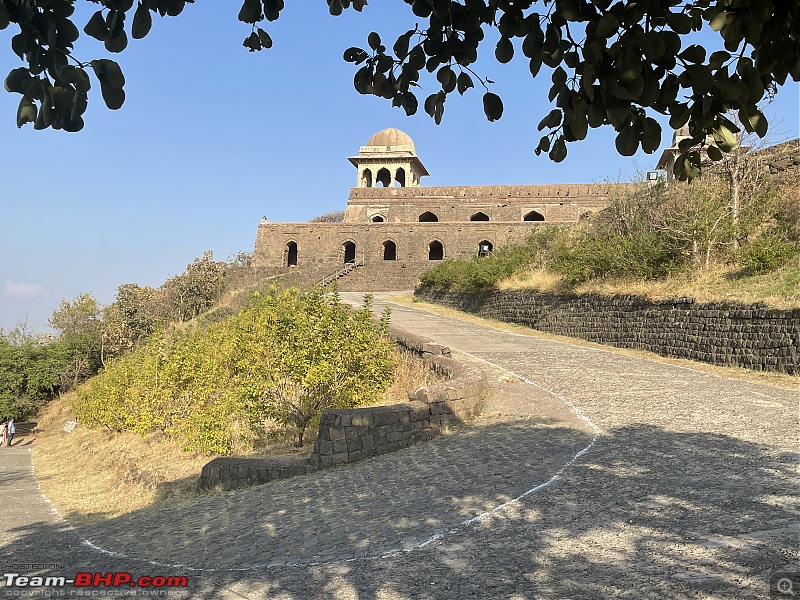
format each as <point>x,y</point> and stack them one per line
<point>288,356</point>
<point>767,253</point>
<point>480,273</point>
<point>644,256</point>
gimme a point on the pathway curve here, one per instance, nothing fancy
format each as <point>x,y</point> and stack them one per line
<point>688,490</point>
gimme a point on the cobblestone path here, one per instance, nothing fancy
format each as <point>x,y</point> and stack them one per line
<point>689,489</point>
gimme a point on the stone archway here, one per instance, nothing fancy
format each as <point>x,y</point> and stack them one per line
<point>479,216</point>
<point>435,250</point>
<point>290,252</point>
<point>389,250</point>
<point>384,177</point>
<point>428,217</point>
<point>485,248</point>
<point>349,252</point>
<point>533,216</point>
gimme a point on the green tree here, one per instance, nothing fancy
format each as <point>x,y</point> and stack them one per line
<point>197,289</point>
<point>612,63</point>
<point>80,325</point>
<point>133,316</point>
<point>30,371</point>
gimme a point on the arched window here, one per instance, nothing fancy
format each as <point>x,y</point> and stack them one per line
<point>291,254</point>
<point>400,178</point>
<point>485,248</point>
<point>479,216</point>
<point>384,177</point>
<point>533,216</point>
<point>435,250</point>
<point>349,249</point>
<point>428,217</point>
<point>367,177</point>
<point>389,250</point>
<point>377,219</point>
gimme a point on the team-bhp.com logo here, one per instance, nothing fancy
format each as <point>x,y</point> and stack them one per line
<point>96,580</point>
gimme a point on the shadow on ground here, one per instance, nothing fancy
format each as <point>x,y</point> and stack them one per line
<point>647,513</point>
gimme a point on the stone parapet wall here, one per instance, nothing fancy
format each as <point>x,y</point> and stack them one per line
<point>749,336</point>
<point>349,435</point>
<point>576,192</point>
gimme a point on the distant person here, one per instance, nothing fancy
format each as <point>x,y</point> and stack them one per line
<point>3,431</point>
<point>10,430</point>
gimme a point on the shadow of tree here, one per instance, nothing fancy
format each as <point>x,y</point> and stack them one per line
<point>646,513</point>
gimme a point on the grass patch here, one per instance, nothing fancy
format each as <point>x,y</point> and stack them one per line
<point>778,289</point>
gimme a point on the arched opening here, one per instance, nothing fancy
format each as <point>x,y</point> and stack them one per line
<point>533,216</point>
<point>377,219</point>
<point>400,178</point>
<point>291,254</point>
<point>428,217</point>
<point>384,177</point>
<point>349,249</point>
<point>435,250</point>
<point>389,250</point>
<point>367,178</point>
<point>485,248</point>
<point>479,216</point>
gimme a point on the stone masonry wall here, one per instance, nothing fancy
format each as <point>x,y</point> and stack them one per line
<point>348,435</point>
<point>752,337</point>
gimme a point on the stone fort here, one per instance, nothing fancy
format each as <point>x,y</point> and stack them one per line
<point>395,229</point>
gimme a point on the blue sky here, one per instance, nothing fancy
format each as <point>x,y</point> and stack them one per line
<point>212,137</point>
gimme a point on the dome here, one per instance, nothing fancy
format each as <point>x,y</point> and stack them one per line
<point>390,137</point>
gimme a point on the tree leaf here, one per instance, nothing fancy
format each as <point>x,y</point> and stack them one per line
<point>559,150</point>
<point>113,97</point>
<point>142,22</point>
<point>464,82</point>
<point>492,106</point>
<point>553,119</point>
<point>627,141</point>
<point>374,40</point>
<point>607,26</point>
<point>724,139</point>
<point>97,28</point>
<point>504,51</point>
<point>714,153</point>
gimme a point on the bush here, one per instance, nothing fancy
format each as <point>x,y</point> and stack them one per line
<point>613,255</point>
<point>288,356</point>
<point>767,253</point>
<point>480,273</point>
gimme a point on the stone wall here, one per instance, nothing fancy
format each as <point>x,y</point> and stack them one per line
<point>349,435</point>
<point>322,244</point>
<point>753,337</point>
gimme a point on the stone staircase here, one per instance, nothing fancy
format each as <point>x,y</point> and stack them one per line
<point>342,272</point>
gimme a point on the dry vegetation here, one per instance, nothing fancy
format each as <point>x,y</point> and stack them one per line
<point>723,283</point>
<point>124,472</point>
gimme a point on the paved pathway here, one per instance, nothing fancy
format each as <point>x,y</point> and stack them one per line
<point>688,489</point>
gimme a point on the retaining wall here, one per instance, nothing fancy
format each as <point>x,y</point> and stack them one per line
<point>749,336</point>
<point>348,435</point>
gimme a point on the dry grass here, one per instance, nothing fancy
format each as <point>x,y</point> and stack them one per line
<point>780,289</point>
<point>533,279</point>
<point>411,373</point>
<point>119,472</point>
<point>123,472</point>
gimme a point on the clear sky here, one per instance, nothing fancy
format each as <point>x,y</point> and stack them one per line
<point>212,137</point>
